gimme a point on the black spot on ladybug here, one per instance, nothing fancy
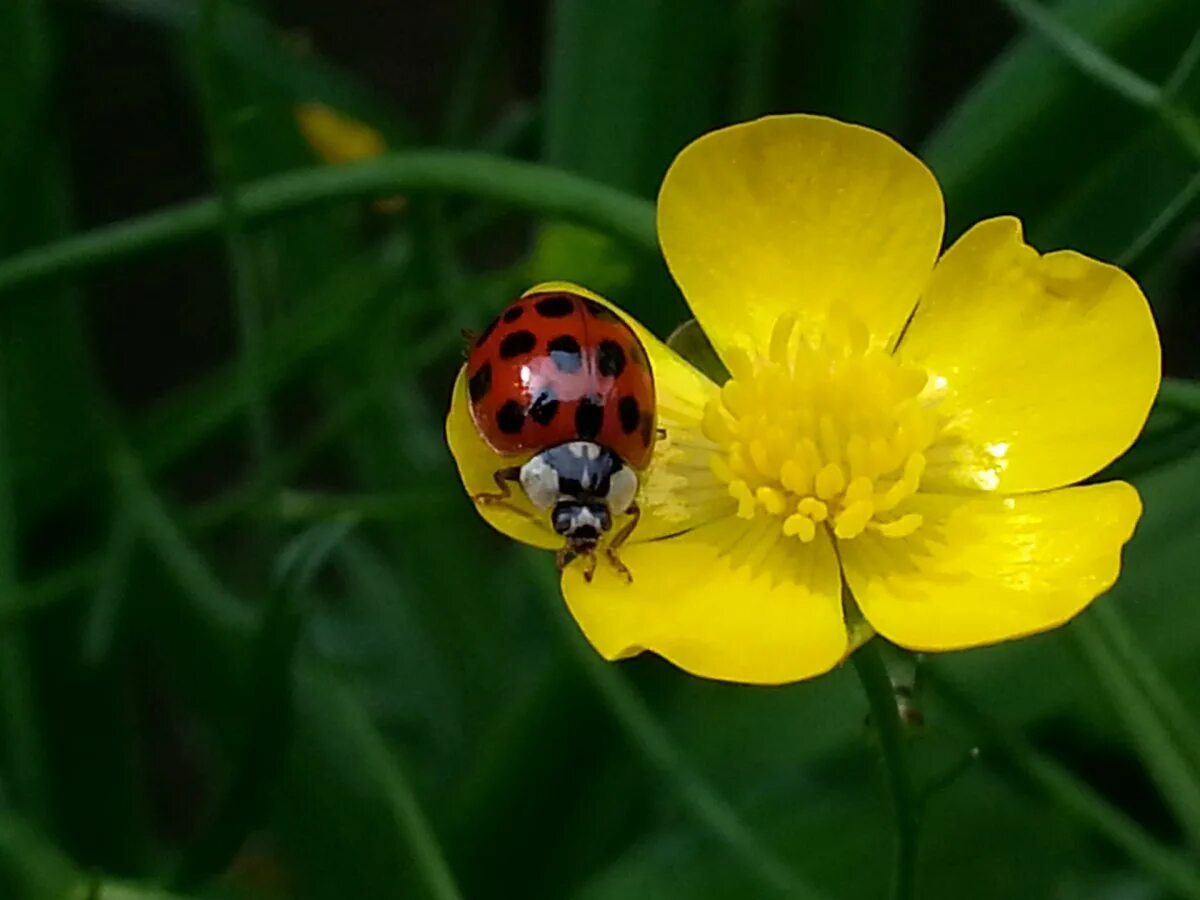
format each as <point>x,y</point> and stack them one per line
<point>589,418</point>
<point>511,417</point>
<point>513,313</point>
<point>517,344</point>
<point>599,310</point>
<point>648,430</point>
<point>566,353</point>
<point>610,358</point>
<point>544,408</point>
<point>630,413</point>
<point>487,332</point>
<point>480,383</point>
<point>555,307</point>
<point>638,355</point>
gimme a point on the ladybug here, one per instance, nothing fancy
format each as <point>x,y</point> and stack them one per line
<point>562,379</point>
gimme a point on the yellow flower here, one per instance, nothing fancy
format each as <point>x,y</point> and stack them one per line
<point>904,424</point>
<point>335,137</point>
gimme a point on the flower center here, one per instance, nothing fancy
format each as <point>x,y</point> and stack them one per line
<point>833,432</point>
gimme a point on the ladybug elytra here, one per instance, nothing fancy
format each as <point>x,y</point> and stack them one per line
<point>563,379</point>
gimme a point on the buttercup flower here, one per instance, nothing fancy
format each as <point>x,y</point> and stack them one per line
<point>903,424</point>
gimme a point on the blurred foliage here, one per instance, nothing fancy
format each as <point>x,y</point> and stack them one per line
<point>254,641</point>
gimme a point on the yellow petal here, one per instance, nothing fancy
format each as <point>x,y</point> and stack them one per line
<point>731,600</point>
<point>678,491</point>
<point>337,138</point>
<point>477,462</point>
<point>1048,364</point>
<point>985,568</point>
<point>797,214</point>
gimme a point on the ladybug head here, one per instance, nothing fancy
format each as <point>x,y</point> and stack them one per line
<point>581,523</point>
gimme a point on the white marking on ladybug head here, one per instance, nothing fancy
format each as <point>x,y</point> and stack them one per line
<point>584,449</point>
<point>539,480</point>
<point>622,488</point>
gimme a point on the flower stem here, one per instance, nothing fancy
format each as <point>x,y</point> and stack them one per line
<point>549,192</point>
<point>248,307</point>
<point>1155,720</point>
<point>1172,869</point>
<point>653,742</point>
<point>885,714</point>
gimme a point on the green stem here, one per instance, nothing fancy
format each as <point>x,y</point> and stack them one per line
<point>1181,394</point>
<point>247,305</point>
<point>1168,767</point>
<point>204,518</point>
<point>1181,206</point>
<point>1107,620</point>
<point>21,750</point>
<point>320,700</point>
<point>885,714</point>
<point>547,191</point>
<point>709,809</point>
<point>326,703</point>
<point>1172,870</point>
<point>1098,65</point>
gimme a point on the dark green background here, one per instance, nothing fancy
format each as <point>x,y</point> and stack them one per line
<point>255,642</point>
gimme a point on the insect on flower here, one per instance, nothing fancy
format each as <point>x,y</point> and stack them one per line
<point>558,375</point>
<point>894,427</point>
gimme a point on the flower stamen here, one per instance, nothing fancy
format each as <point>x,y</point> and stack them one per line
<point>833,432</point>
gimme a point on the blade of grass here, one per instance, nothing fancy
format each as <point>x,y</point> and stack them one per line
<point>708,808</point>
<point>1108,624</point>
<point>477,54</point>
<point>327,705</point>
<point>243,275</point>
<point>319,700</point>
<point>265,735</point>
<point>20,750</point>
<point>191,415</point>
<point>1096,64</point>
<point>541,189</point>
<point>861,60</point>
<point>249,41</point>
<point>70,579</point>
<point>1177,781</point>
<point>112,578</point>
<point>164,537</point>
<point>1171,869</point>
<point>213,407</point>
<point>1181,394</point>
<point>1027,132</point>
<point>1188,60</point>
<point>1182,207</point>
<point>758,35</point>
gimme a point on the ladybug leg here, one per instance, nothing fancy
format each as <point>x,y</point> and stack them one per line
<point>504,479</point>
<point>566,556</point>
<point>589,567</point>
<point>662,433</point>
<point>621,537</point>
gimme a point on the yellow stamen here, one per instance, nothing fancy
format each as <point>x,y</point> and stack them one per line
<point>823,432</point>
<point>800,526</point>
<point>773,501</point>
<point>901,527</point>
<point>830,481</point>
<point>813,508</point>
<point>740,492</point>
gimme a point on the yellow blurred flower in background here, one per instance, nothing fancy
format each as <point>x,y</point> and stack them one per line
<point>335,137</point>
<point>902,425</point>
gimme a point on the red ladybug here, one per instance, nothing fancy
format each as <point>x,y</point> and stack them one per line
<point>562,377</point>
